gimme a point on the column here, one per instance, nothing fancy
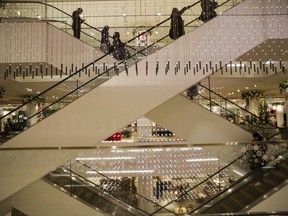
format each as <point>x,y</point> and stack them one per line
<point>144,128</point>
<point>286,105</point>
<point>145,188</point>
<point>253,107</point>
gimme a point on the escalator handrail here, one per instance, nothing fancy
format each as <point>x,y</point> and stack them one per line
<point>275,127</point>
<point>257,126</point>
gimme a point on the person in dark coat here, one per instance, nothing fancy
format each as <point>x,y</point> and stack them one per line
<point>105,40</point>
<point>120,51</point>
<point>177,23</point>
<point>208,10</point>
<point>9,127</point>
<point>192,91</point>
<point>76,22</point>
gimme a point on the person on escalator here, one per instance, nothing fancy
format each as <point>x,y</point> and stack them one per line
<point>192,92</point>
<point>9,127</point>
<point>208,10</point>
<point>177,23</point>
<point>76,22</point>
<point>105,40</point>
<point>120,49</point>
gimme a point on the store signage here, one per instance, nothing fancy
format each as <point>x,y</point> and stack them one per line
<point>142,40</point>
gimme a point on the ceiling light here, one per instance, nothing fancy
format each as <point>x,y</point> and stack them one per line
<point>237,172</point>
<point>136,150</point>
<point>119,171</point>
<point>106,158</point>
<point>156,150</point>
<point>202,159</point>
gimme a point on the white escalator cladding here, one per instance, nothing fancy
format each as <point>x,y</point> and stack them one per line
<point>119,101</point>
<point>63,203</point>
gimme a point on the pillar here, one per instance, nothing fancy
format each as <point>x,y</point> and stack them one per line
<point>286,105</point>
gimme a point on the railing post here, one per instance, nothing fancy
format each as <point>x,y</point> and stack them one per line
<point>70,171</point>
<point>209,86</point>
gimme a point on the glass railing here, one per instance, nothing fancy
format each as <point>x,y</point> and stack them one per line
<point>182,187</point>
<point>180,179</point>
<point>80,81</point>
<point>89,193</point>
<point>162,175</point>
<point>260,213</point>
<point>233,112</point>
<point>123,189</point>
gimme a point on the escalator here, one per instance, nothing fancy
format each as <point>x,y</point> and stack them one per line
<point>90,194</point>
<point>82,82</point>
<point>249,190</point>
<point>169,115</point>
<point>219,193</point>
<point>229,109</point>
<point>81,90</point>
<point>119,190</point>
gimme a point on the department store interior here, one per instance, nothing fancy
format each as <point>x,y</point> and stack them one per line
<point>166,131</point>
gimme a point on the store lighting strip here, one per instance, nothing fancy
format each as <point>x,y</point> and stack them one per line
<point>145,150</point>
<point>202,159</point>
<point>120,171</point>
<point>105,158</point>
<point>239,173</point>
<point>157,150</point>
